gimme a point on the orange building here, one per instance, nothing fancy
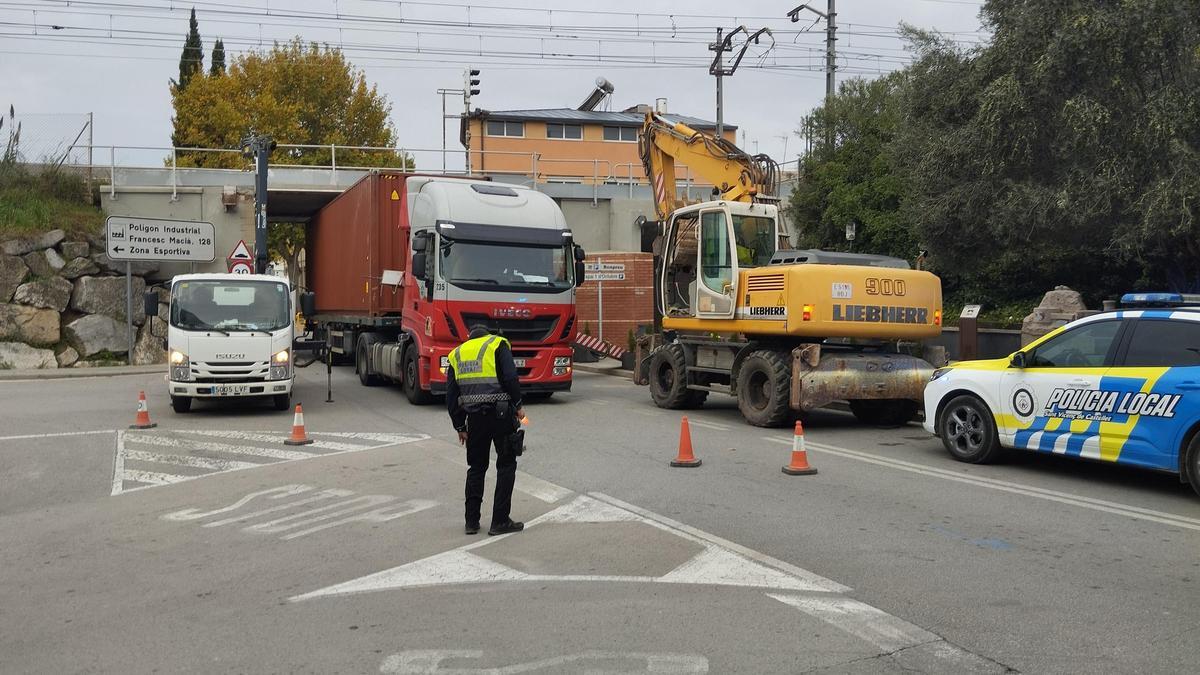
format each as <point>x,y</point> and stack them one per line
<point>565,145</point>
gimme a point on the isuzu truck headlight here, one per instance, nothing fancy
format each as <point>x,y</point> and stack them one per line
<point>181,369</point>
<point>281,365</point>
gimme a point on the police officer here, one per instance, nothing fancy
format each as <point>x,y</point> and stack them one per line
<point>483,397</point>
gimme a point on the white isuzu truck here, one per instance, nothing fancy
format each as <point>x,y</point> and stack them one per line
<point>229,335</point>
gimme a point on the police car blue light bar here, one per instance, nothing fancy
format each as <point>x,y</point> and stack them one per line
<point>1158,300</point>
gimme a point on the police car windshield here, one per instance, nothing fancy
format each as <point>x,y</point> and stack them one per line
<point>230,306</point>
<point>482,266</point>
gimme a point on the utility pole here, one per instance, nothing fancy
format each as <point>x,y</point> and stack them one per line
<point>720,70</point>
<point>443,93</point>
<point>259,146</point>
<point>830,16</point>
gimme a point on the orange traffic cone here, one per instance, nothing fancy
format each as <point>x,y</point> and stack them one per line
<point>685,458</point>
<point>298,436</point>
<point>142,420</point>
<point>799,465</point>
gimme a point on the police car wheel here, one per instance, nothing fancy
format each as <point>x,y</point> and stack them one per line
<point>1192,463</point>
<point>968,430</point>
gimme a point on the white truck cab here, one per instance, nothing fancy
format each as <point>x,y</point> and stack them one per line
<point>229,335</point>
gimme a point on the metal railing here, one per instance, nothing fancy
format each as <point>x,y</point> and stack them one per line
<point>539,171</point>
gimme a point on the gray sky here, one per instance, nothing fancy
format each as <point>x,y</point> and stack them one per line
<point>114,57</point>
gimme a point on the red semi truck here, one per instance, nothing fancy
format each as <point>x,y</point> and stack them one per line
<point>401,266</point>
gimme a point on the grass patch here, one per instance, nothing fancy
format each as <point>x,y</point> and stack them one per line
<point>1008,315</point>
<point>33,203</point>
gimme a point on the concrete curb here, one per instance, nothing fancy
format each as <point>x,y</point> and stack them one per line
<point>64,373</point>
<point>604,370</point>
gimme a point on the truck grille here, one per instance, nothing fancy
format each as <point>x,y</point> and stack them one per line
<point>230,372</point>
<point>537,329</point>
<point>765,282</point>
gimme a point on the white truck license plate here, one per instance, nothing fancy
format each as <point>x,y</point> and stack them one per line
<point>230,389</point>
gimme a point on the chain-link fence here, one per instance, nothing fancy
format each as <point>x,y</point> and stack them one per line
<point>48,138</point>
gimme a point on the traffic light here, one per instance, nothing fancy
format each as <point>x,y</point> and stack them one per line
<point>472,82</point>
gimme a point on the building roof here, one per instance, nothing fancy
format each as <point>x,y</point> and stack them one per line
<point>573,116</point>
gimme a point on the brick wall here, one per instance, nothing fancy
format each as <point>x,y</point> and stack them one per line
<point>627,304</point>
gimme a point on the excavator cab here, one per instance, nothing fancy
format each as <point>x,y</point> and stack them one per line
<point>705,247</point>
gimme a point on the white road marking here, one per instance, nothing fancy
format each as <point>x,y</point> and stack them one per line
<point>816,580</point>
<point>319,514</point>
<point>708,425</point>
<point>272,493</point>
<point>323,494</point>
<point>1137,512</point>
<point>861,620</point>
<point>429,662</point>
<point>226,448</point>
<point>531,485</point>
<point>189,460</point>
<point>381,515</point>
<point>118,479</point>
<point>153,477</point>
<point>217,466</point>
<point>715,565</point>
<point>60,434</point>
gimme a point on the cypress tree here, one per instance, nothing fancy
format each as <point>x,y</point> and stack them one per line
<point>192,59</point>
<point>218,59</point>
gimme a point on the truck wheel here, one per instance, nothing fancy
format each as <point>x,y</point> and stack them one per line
<point>668,378</point>
<point>764,383</point>
<point>890,412</point>
<point>968,430</point>
<point>362,360</point>
<point>181,404</point>
<point>1191,464</point>
<point>282,401</point>
<point>412,379</point>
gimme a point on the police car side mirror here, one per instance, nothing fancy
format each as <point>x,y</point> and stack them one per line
<point>1017,360</point>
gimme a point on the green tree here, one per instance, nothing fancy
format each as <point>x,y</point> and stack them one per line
<point>1066,151</point>
<point>191,61</point>
<point>217,66</point>
<point>285,242</point>
<point>299,94</point>
<point>856,180</point>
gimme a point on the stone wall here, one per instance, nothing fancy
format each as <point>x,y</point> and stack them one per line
<point>62,304</point>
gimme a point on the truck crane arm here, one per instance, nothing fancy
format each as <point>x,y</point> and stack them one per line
<point>735,175</point>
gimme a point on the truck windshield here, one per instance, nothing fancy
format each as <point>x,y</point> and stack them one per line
<point>490,267</point>
<point>230,305</point>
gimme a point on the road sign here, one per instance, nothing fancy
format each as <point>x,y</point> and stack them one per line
<point>603,267</point>
<point>604,276</point>
<point>128,238</point>
<point>240,267</point>
<point>241,252</point>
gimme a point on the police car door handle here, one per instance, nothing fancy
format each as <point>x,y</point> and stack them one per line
<point>1188,385</point>
<point>1080,382</point>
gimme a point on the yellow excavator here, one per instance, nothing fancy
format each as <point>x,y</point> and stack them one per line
<point>782,330</point>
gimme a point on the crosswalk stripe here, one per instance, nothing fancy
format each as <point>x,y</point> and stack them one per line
<point>272,438</point>
<point>153,477</point>
<point>165,441</point>
<point>189,460</point>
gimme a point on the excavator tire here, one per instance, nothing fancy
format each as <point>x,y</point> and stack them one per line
<point>763,389</point>
<point>668,379</point>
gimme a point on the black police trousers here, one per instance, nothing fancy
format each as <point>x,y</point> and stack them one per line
<point>483,431</point>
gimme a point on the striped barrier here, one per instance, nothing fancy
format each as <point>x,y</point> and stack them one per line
<point>597,345</point>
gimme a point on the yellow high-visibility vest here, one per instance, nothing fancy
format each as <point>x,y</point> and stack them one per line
<point>474,364</point>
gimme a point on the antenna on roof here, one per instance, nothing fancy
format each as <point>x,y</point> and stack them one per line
<point>603,90</point>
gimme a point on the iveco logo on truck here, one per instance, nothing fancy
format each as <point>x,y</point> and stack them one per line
<point>512,313</point>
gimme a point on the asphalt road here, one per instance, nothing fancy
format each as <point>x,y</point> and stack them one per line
<point>207,545</point>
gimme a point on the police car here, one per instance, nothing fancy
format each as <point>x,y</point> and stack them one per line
<point>1120,386</point>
